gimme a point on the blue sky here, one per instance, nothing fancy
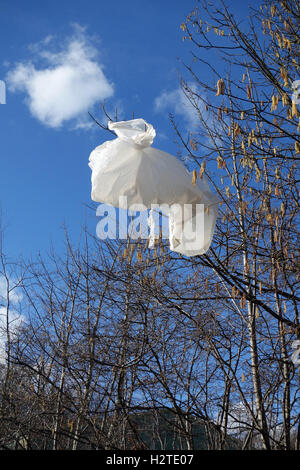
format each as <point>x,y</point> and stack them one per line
<point>60,60</point>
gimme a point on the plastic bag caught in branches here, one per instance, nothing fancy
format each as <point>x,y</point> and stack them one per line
<point>129,167</point>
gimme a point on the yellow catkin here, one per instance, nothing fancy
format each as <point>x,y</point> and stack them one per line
<point>237,129</point>
<point>220,87</point>
<point>284,76</point>
<point>258,175</point>
<point>284,42</point>
<point>249,139</point>
<point>234,293</point>
<point>220,161</point>
<point>274,103</point>
<point>202,169</point>
<point>273,10</point>
<point>194,144</point>
<point>248,92</point>
<point>278,37</point>
<point>194,177</point>
<point>294,109</point>
<point>285,100</point>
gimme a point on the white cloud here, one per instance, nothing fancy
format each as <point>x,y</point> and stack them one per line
<point>196,116</point>
<point>177,101</point>
<point>15,295</point>
<point>15,320</point>
<point>67,83</point>
<point>240,418</point>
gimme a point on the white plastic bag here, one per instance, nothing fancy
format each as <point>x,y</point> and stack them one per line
<point>128,166</point>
